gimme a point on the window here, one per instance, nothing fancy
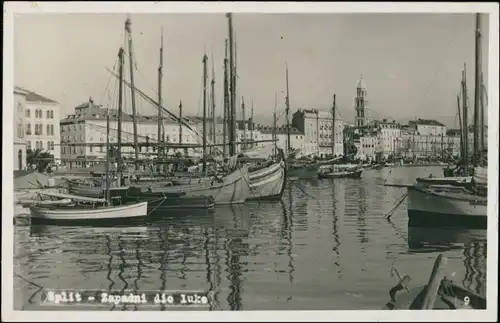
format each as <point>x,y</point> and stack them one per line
<point>48,114</point>
<point>20,130</point>
<point>52,130</point>
<point>90,147</point>
<point>28,113</point>
<point>48,129</point>
<point>41,144</point>
<point>51,114</point>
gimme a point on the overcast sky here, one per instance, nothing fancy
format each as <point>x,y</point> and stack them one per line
<point>411,63</point>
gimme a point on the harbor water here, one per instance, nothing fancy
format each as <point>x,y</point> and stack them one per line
<point>325,246</point>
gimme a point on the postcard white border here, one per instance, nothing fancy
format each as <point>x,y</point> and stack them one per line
<point>255,7</point>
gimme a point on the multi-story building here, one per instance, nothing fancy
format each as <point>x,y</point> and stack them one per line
<point>389,135</point>
<point>41,123</point>
<point>425,127</point>
<point>317,128</point>
<point>19,137</point>
<point>83,134</point>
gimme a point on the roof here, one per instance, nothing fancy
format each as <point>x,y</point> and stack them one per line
<point>100,114</point>
<point>32,96</point>
<point>425,122</point>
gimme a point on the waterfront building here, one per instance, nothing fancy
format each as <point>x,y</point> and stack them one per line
<point>426,127</point>
<point>41,123</point>
<point>19,152</point>
<point>316,127</point>
<point>83,134</point>
<point>389,138</point>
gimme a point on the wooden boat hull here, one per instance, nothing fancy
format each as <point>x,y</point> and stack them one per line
<point>268,183</point>
<point>428,207</point>
<point>232,189</point>
<point>158,203</point>
<point>28,202</point>
<point>457,181</point>
<point>347,174</point>
<point>306,172</point>
<point>89,191</point>
<point>74,215</point>
<point>452,296</point>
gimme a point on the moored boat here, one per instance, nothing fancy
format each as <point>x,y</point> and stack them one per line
<point>456,181</point>
<point>231,189</point>
<point>445,205</point>
<point>268,183</point>
<point>339,171</point>
<point>87,211</point>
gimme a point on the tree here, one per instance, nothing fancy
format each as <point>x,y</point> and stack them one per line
<point>39,159</point>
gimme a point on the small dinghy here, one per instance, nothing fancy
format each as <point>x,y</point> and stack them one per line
<point>439,293</point>
<point>339,171</point>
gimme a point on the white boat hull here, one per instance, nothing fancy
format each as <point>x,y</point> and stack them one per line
<point>77,214</point>
<point>429,207</point>
<point>268,183</point>
<point>234,188</point>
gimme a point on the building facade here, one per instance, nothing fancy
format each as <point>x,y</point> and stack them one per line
<point>19,152</point>
<point>319,132</point>
<point>41,124</point>
<point>83,135</point>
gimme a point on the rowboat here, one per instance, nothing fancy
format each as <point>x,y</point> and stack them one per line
<point>87,211</point>
<point>339,171</point>
<point>438,293</point>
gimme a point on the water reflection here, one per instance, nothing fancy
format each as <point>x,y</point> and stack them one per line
<point>472,243</point>
<point>235,248</point>
<point>256,256</point>
<point>335,231</point>
<point>286,232</point>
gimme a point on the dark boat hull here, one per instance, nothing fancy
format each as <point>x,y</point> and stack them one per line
<point>355,174</point>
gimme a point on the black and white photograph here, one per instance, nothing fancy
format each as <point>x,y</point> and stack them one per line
<point>187,159</point>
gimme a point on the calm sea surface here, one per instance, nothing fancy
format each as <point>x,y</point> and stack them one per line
<point>326,246</point>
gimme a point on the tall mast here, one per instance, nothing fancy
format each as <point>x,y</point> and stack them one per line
<point>243,145</point>
<point>251,124</point>
<point>462,154</point>
<point>213,139</point>
<point>482,146</point>
<point>274,120</point>
<point>108,199</point>
<point>180,122</point>
<point>120,112</point>
<point>160,111</point>
<point>465,119</point>
<point>226,102</point>
<point>205,112</point>
<point>288,148</point>
<point>333,126</point>
<point>128,28</point>
<point>477,91</point>
<point>232,111</point>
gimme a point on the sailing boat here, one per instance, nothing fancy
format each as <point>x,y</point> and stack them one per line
<point>448,205</point>
<point>338,171</point>
<point>87,210</point>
